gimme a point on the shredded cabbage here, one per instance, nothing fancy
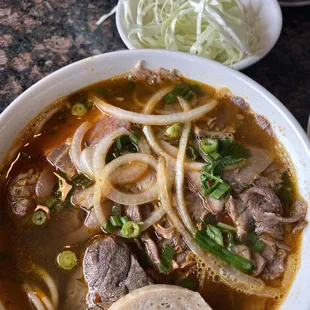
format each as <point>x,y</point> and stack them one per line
<point>223,30</point>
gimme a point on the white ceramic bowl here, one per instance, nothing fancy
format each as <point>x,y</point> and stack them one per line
<point>269,29</point>
<point>94,69</point>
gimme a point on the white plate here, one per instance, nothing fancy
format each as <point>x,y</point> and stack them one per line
<point>93,69</point>
<point>270,25</point>
<point>294,3</point>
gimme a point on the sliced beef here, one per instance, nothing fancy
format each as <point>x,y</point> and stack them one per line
<point>260,264</point>
<point>104,125</point>
<point>59,157</point>
<point>111,271</point>
<point>272,177</point>
<point>258,162</point>
<point>150,246</point>
<point>260,207</point>
<point>157,76</point>
<point>22,196</point>
<point>240,215</point>
<point>275,262</point>
<point>194,184</point>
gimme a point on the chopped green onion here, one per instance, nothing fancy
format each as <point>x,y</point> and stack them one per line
<point>115,221</point>
<point>124,143</point>
<point>220,190</point>
<point>99,90</point>
<point>109,227</point>
<point>131,230</point>
<point>212,247</point>
<point>195,88</point>
<point>233,149</point>
<point>166,259</point>
<point>214,156</point>
<point>116,210</point>
<point>135,137</point>
<point>209,145</point>
<point>192,153</point>
<point>189,95</point>
<point>89,104</point>
<point>225,226</point>
<point>206,176</point>
<point>174,131</point>
<point>254,242</point>
<point>124,219</point>
<point>169,98</point>
<point>67,260</point>
<point>186,89</point>
<point>177,90</point>
<point>39,217</point>
<point>129,86</point>
<point>24,155</point>
<point>82,180</point>
<point>78,109</point>
<point>214,234</point>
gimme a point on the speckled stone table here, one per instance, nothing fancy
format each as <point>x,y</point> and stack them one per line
<point>37,37</point>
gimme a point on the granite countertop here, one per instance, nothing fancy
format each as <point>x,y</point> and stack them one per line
<point>38,36</point>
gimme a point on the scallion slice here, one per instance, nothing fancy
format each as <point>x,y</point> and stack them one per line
<point>192,153</point>
<point>124,219</point>
<point>115,221</point>
<point>174,131</point>
<point>166,259</point>
<point>209,145</point>
<point>221,190</point>
<point>135,137</point>
<point>169,98</point>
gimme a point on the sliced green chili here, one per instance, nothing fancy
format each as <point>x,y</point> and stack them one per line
<point>39,217</point>
<point>117,210</point>
<point>78,109</point>
<point>67,260</point>
<point>174,131</point>
<point>131,230</point>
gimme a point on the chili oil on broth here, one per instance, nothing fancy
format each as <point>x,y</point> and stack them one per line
<point>22,240</point>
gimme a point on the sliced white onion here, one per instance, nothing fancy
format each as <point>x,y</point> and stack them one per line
<point>102,149</point>
<point>86,161</point>
<point>47,116</point>
<point>179,173</point>
<point>163,148</point>
<point>154,217</point>
<point>76,145</point>
<point>34,298</point>
<point>232,277</point>
<point>156,120</point>
<point>104,186</point>
<point>50,283</point>
<point>123,198</point>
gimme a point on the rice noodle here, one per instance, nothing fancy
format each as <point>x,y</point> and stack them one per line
<point>230,276</point>
<point>156,120</point>
<point>155,216</point>
<point>34,298</point>
<point>49,283</point>
<point>161,148</point>
<point>45,300</point>
<point>76,146</point>
<point>179,171</point>
<point>104,186</point>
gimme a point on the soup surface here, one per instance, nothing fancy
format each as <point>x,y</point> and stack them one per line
<point>191,190</point>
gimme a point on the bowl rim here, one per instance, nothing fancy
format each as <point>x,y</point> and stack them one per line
<point>237,77</point>
<point>240,65</point>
